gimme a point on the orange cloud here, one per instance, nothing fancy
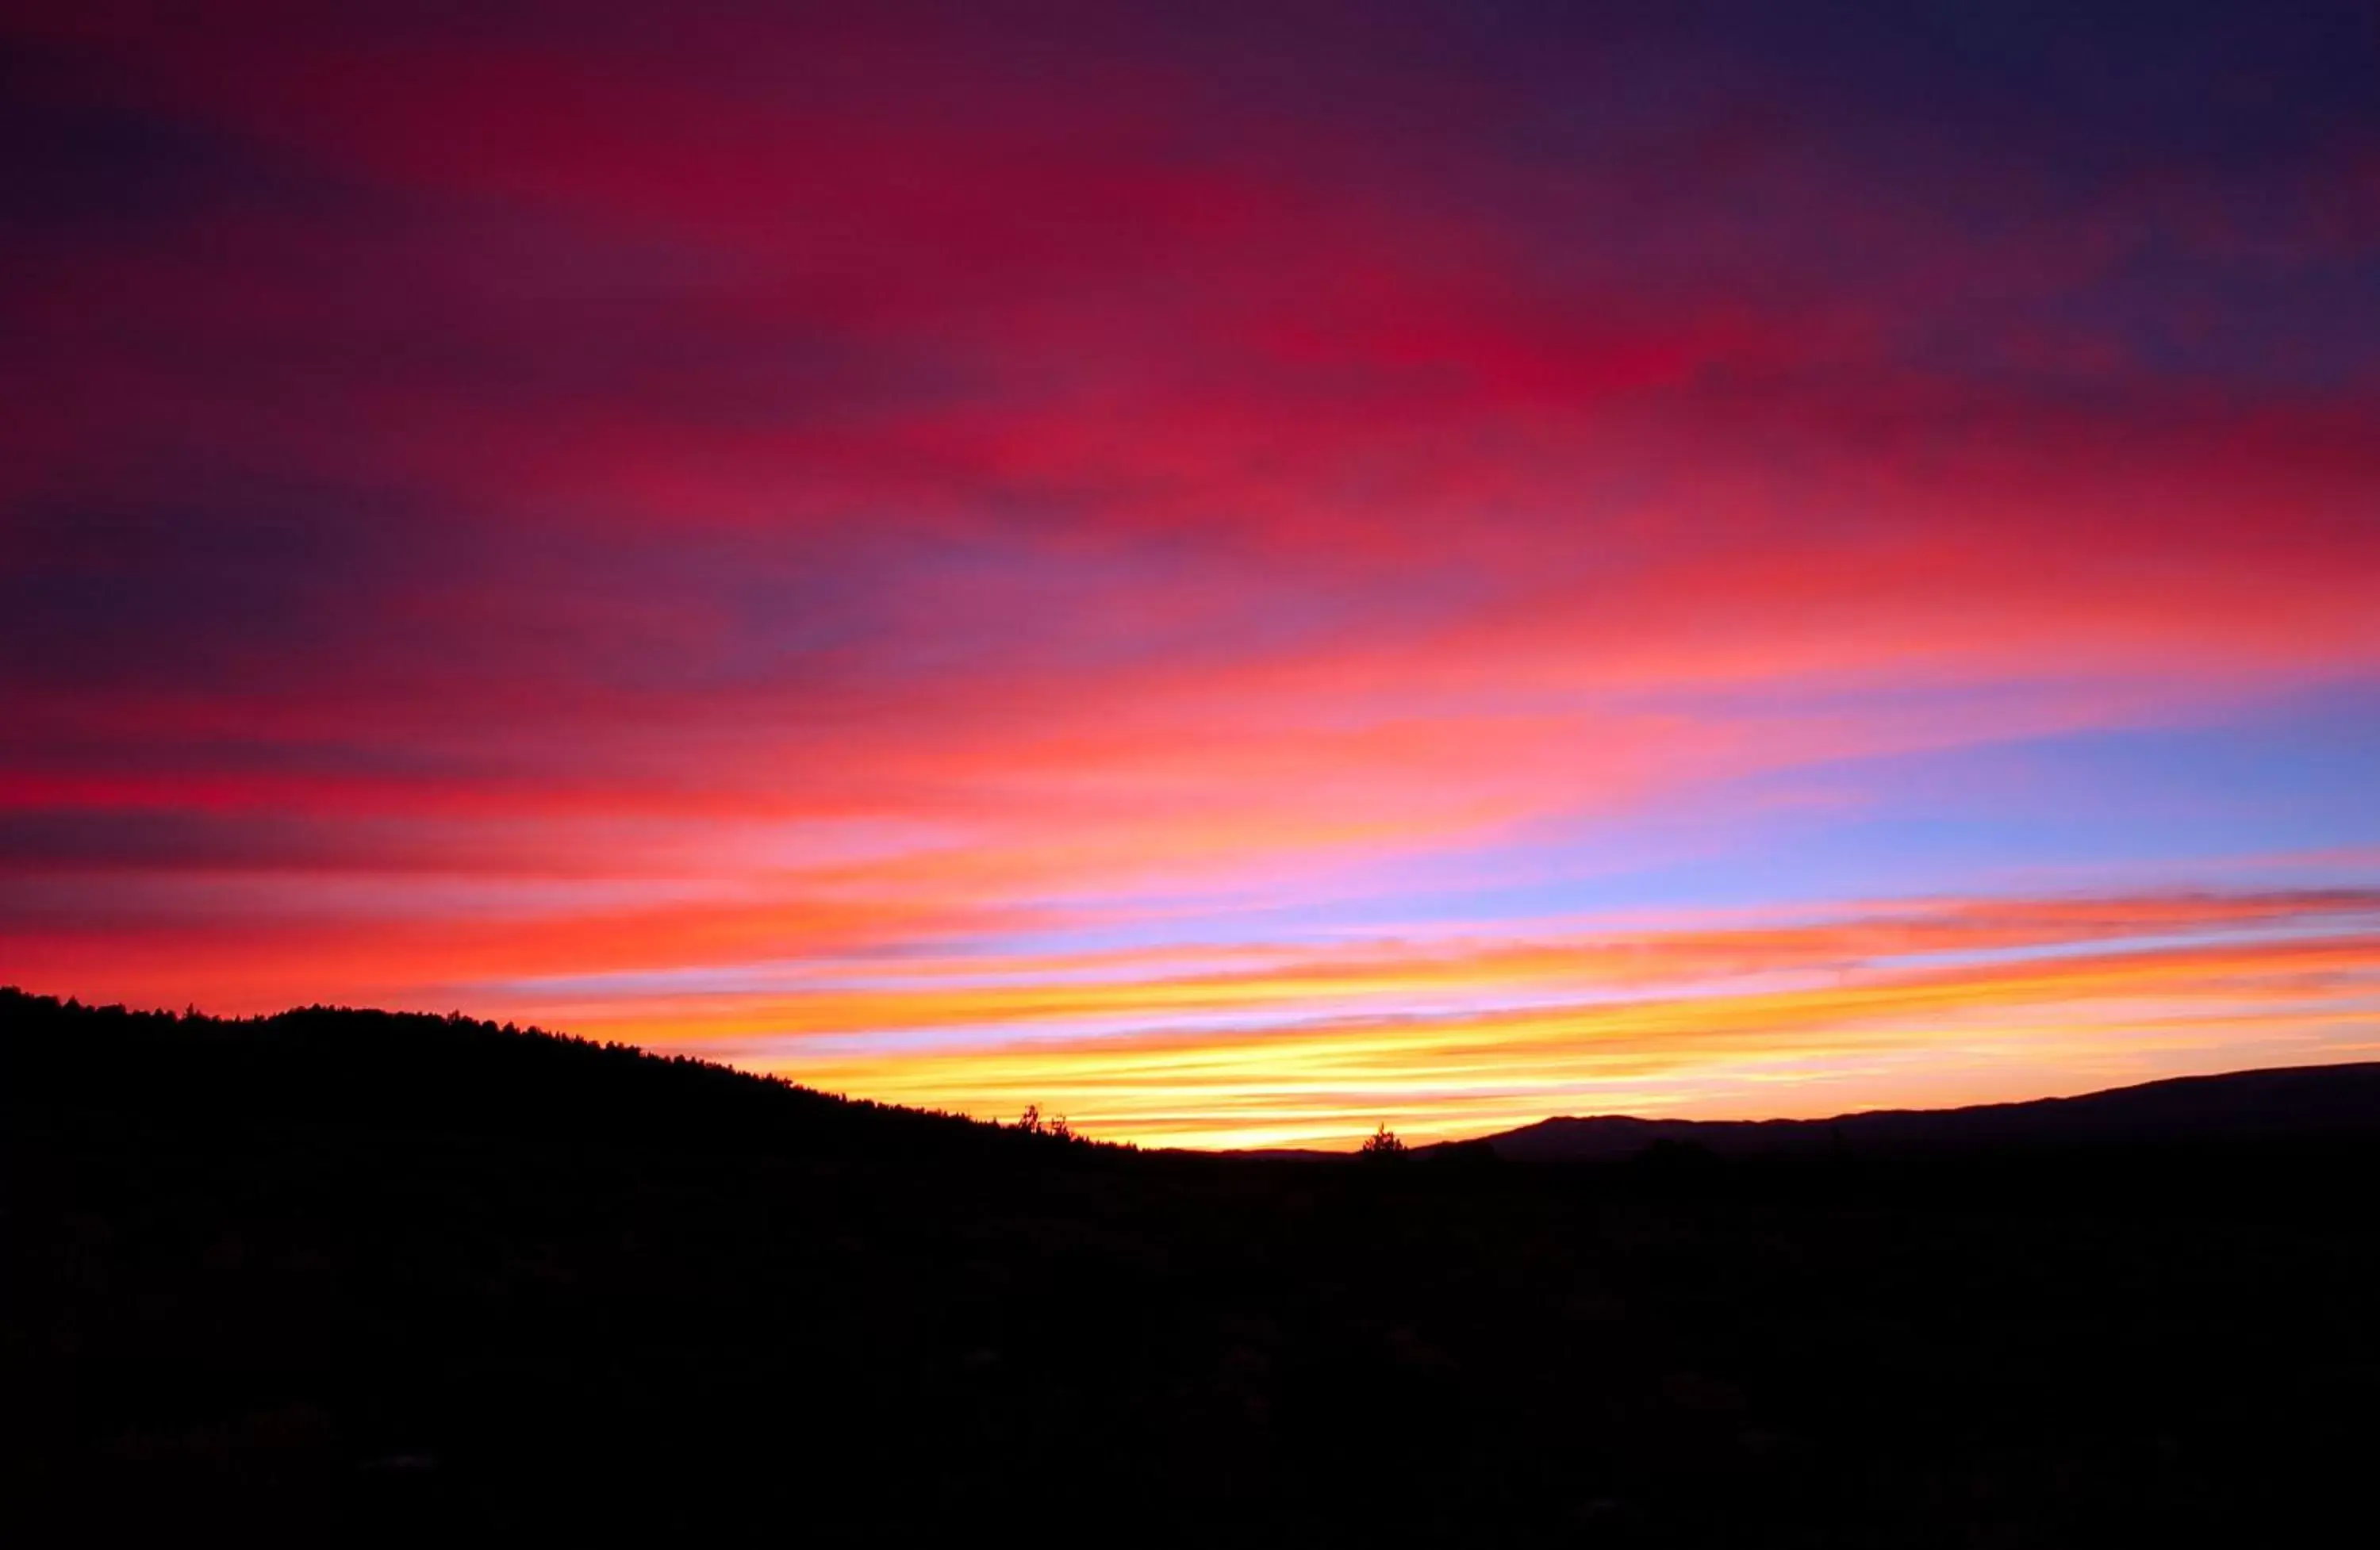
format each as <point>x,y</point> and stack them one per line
<point>1276,1047</point>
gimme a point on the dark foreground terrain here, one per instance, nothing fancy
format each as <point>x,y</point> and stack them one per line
<point>339,1275</point>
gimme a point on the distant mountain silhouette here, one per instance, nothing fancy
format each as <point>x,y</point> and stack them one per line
<point>2296,1103</point>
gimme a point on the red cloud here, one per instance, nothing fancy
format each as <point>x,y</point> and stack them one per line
<point>1108,465</point>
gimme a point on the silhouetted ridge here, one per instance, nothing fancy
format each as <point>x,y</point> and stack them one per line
<point>346,1067</point>
<point>2290,1104</point>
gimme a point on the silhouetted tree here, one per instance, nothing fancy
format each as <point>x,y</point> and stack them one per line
<point>1032,1123</point>
<point>1383,1144</point>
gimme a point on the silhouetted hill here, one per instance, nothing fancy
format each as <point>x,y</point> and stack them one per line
<point>340,1277</point>
<point>2292,1103</point>
<point>345,1068</point>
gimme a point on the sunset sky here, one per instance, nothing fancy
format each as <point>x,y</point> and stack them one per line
<point>1235,573</point>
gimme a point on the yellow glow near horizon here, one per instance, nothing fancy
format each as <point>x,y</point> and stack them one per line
<point>1812,1019</point>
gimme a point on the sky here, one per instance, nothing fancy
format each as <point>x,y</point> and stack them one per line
<point>1237,573</point>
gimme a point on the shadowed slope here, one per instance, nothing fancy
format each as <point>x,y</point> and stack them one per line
<point>343,1067</point>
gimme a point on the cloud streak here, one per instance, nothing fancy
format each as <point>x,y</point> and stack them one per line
<point>1944,1006</point>
<point>533,495</point>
